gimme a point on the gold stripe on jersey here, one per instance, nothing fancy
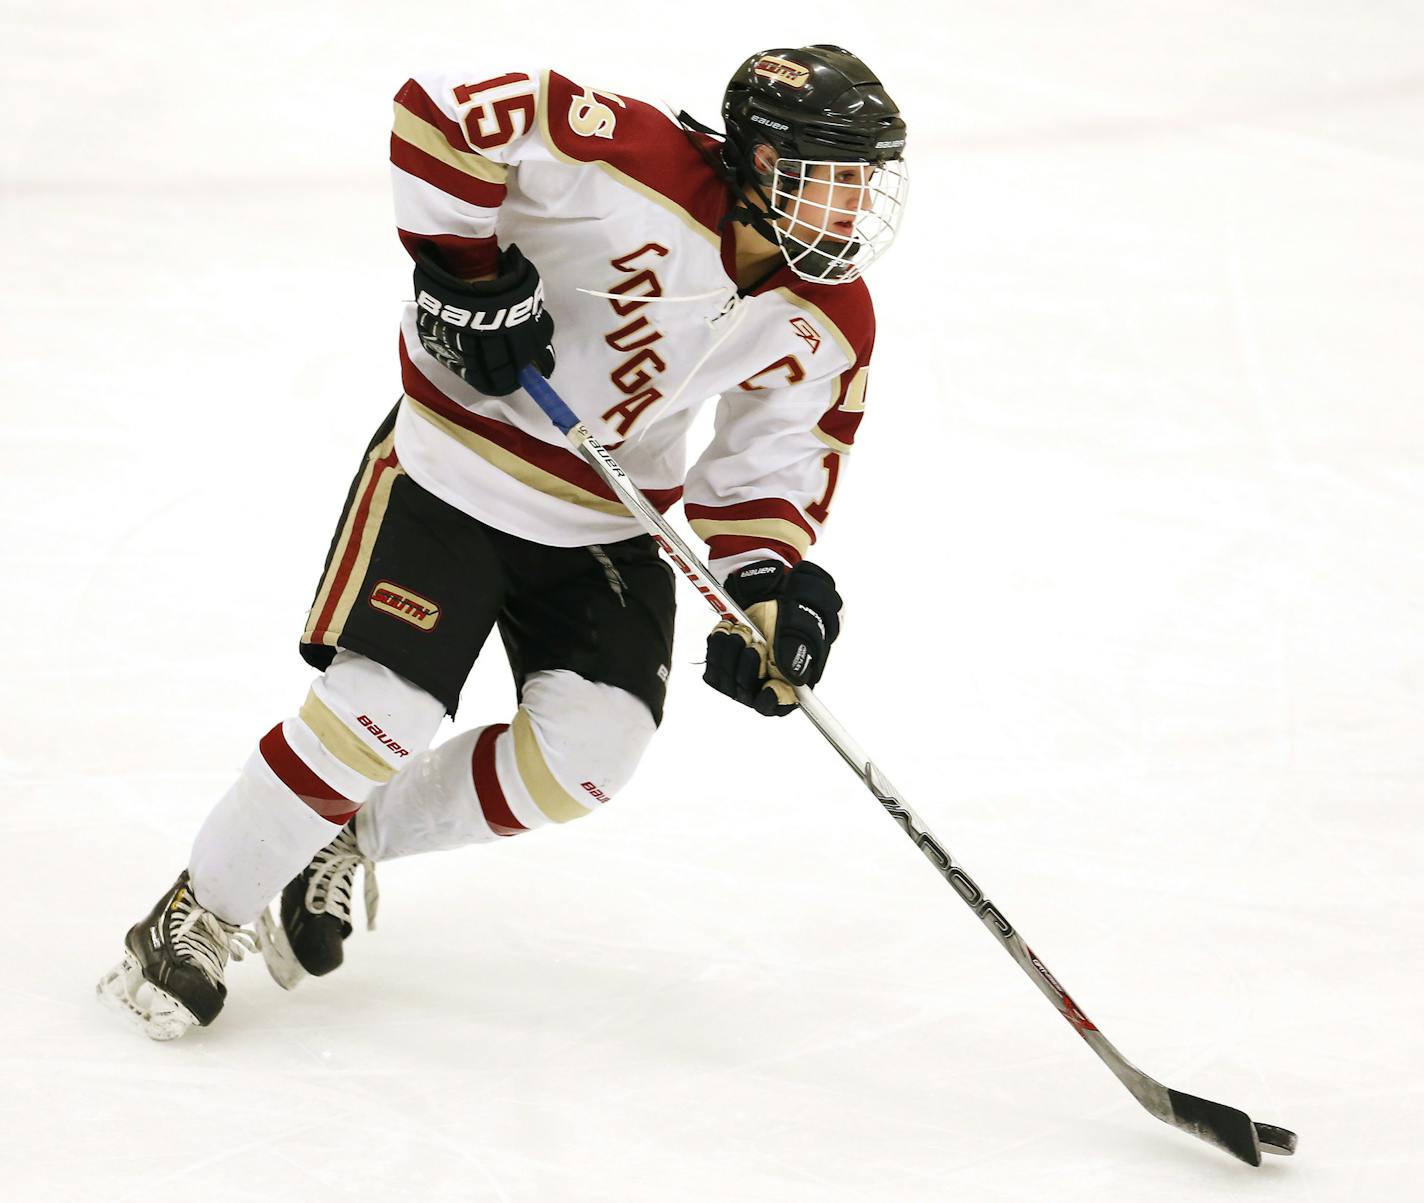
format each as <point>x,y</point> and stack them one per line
<point>549,796</point>
<point>424,136</point>
<point>623,178</point>
<point>761,528</point>
<point>386,475</point>
<point>342,742</point>
<point>853,402</point>
<point>512,465</point>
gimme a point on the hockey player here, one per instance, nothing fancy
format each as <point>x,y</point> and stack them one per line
<point>679,266</point>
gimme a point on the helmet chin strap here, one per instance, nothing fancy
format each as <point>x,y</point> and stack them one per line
<point>747,214</point>
<point>743,213</point>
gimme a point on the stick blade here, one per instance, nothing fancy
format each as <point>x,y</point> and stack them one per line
<point>1228,1128</point>
<point>1280,1141</point>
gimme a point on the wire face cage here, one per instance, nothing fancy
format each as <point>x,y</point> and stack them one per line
<point>834,218</point>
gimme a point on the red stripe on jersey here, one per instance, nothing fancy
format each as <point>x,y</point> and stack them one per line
<point>487,789</point>
<point>353,545</point>
<point>842,424</point>
<point>484,193</point>
<point>645,144</point>
<point>719,547</point>
<point>294,773</point>
<point>467,257</point>
<point>763,507</point>
<point>551,458</point>
<point>485,85</point>
<point>415,98</point>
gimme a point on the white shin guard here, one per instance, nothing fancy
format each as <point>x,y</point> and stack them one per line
<point>572,745</point>
<point>359,724</point>
<point>254,841</point>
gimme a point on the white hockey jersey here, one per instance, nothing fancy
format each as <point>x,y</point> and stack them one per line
<point>616,205</point>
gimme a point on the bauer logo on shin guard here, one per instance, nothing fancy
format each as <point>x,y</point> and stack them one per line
<point>407,606</point>
<point>378,733</point>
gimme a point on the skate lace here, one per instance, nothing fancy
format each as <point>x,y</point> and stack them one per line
<point>333,879</point>
<point>205,940</point>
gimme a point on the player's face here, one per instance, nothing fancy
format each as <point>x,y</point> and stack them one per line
<point>827,203</point>
<point>832,218</point>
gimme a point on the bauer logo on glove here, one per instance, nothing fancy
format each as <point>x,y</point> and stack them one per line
<point>485,331</point>
<point>530,307</point>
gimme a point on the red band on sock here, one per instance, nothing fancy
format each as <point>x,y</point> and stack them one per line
<point>497,813</point>
<point>294,773</point>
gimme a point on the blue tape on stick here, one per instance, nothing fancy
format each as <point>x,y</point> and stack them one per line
<point>547,399</point>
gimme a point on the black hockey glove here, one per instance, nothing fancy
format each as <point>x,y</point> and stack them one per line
<point>486,331</point>
<point>798,610</point>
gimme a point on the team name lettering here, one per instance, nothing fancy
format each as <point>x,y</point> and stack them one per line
<point>635,376</point>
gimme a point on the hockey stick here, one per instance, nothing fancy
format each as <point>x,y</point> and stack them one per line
<point>1215,1123</point>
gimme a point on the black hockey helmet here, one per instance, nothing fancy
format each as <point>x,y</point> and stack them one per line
<point>812,103</point>
<point>833,197</point>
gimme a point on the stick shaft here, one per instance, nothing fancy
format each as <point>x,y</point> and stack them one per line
<point>1150,1093</point>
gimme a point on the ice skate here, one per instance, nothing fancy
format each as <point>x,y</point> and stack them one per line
<point>171,975</point>
<point>314,913</point>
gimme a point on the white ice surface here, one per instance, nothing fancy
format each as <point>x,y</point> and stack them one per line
<point>1133,544</point>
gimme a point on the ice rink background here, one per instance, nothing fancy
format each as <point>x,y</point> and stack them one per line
<point>1133,541</point>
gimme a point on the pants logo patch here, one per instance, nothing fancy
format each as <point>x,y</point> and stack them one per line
<point>405,605</point>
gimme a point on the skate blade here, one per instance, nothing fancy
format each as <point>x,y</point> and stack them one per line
<point>277,952</point>
<point>154,1011</point>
